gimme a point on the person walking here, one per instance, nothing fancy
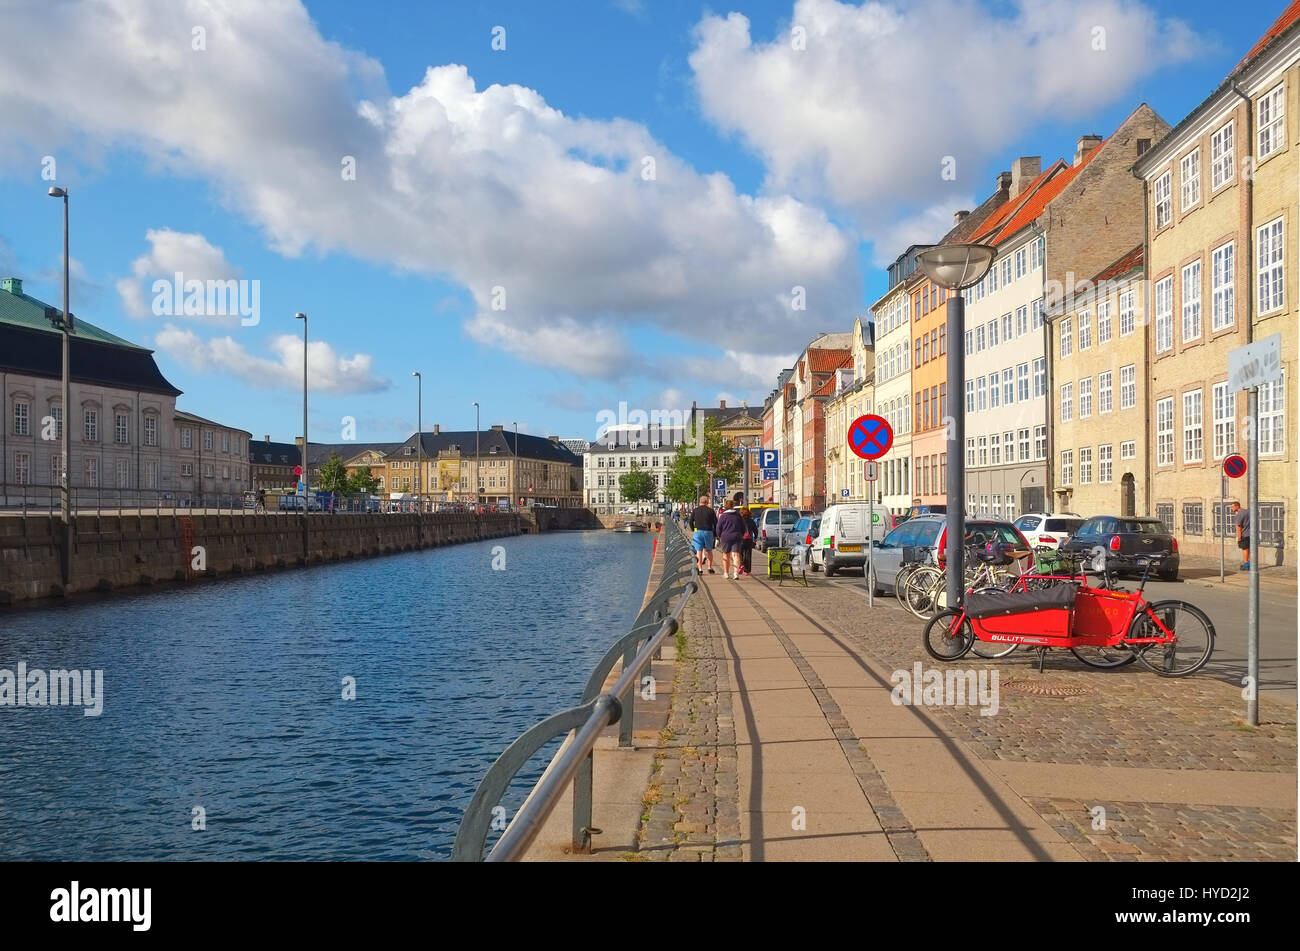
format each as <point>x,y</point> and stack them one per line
<point>704,523</point>
<point>1241,519</point>
<point>747,543</point>
<point>731,533</point>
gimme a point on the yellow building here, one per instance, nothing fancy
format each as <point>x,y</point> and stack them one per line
<point>852,395</point>
<point>1222,241</point>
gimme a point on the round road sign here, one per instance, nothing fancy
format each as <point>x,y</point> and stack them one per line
<point>1234,467</point>
<point>297,470</point>
<point>870,437</point>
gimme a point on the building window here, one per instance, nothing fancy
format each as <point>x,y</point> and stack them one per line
<point>1036,314</point>
<point>1040,377</point>
<point>1103,322</point>
<point>22,418</point>
<point>1036,254</point>
<point>1193,519</point>
<point>1222,277</point>
<point>1165,432</point>
<point>1127,313</point>
<point>943,339</point>
<point>1272,121</point>
<point>1008,386</point>
<point>1011,507</point>
<point>91,428</point>
<point>23,468</point>
<point>1105,464</point>
<point>1190,177</point>
<point>1006,327</point>
<point>1271,289</point>
<point>1067,338</point>
<point>1105,388</point>
<point>123,474</point>
<point>997,506</point>
<point>207,440</point>
<point>1085,330</point>
<point>1164,207</point>
<point>1192,434</point>
<point>92,472</point>
<point>995,450</point>
<point>1128,449</point>
<point>1021,258</point>
<point>970,504</point>
<point>1128,386</point>
<point>1022,382</point>
<point>187,438</point>
<point>970,452</point>
<point>1192,301</point>
<point>984,505</point>
<point>1165,512</point>
<point>995,399</point>
<point>1006,271</point>
<point>151,474</point>
<point>56,469</point>
<point>1221,160</point>
<point>1022,320</point>
<point>225,442</point>
<point>983,443</point>
<point>1009,442</point>
<point>1165,315</point>
<point>993,333</point>
<point>187,468</point>
<point>1085,397</point>
<point>981,393</point>
<point>980,338</point>
<point>1023,439</point>
<point>1225,420</point>
<point>121,428</point>
<point>1067,467</point>
<point>1272,417</point>
<point>1040,443</point>
<point>1272,523</point>
<point>1085,466</point>
<point>1067,402</point>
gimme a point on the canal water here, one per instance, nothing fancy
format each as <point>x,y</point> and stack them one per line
<point>228,698</point>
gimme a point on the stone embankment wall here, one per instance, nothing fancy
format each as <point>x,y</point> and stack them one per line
<point>116,551</point>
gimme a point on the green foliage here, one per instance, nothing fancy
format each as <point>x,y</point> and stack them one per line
<point>637,485</point>
<point>333,477</point>
<point>689,477</point>
<point>362,482</point>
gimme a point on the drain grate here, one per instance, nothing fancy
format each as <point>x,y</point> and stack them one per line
<point>1038,688</point>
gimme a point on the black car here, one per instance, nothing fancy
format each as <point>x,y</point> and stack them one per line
<point>1127,541</point>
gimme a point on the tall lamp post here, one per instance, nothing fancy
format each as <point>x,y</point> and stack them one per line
<point>65,484</point>
<point>476,461</point>
<point>419,435</point>
<point>306,471</point>
<point>954,267</point>
<point>514,486</point>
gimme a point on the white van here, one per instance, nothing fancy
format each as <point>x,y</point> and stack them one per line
<point>842,539</point>
<point>776,528</point>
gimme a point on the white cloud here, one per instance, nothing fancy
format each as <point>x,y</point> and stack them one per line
<point>327,370</point>
<point>865,113</point>
<point>492,188</point>
<point>171,252</point>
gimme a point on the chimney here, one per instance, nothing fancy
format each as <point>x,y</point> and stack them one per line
<point>268,438</point>
<point>500,427</point>
<point>436,429</point>
<point>1086,144</point>
<point>1023,171</point>
<point>297,440</point>
<point>554,439</point>
<point>959,217</point>
<point>14,285</point>
<point>1003,182</point>
<point>722,404</point>
<point>693,404</point>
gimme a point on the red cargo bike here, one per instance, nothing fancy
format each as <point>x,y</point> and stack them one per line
<point>1100,626</point>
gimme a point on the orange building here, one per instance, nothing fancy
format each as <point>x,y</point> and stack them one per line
<point>929,392</point>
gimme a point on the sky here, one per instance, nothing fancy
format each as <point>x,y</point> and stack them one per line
<point>558,210</point>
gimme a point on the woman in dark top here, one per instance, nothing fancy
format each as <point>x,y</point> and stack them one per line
<point>731,534</point>
<point>747,543</point>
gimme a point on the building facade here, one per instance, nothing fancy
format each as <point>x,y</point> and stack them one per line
<point>213,467</point>
<point>892,315</point>
<point>852,395</point>
<point>615,452</point>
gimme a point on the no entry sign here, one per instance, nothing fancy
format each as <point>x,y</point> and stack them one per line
<point>870,437</point>
<point>1234,467</point>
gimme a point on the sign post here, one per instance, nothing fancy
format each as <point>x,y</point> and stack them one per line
<point>870,438</point>
<point>1249,367</point>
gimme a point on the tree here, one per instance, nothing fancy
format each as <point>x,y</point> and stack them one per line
<point>637,485</point>
<point>689,477</point>
<point>333,477</point>
<point>362,482</point>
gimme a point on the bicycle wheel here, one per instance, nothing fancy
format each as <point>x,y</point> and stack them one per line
<point>1105,657</point>
<point>991,649</point>
<point>918,593</point>
<point>1193,630</point>
<point>945,638</point>
<point>900,580</point>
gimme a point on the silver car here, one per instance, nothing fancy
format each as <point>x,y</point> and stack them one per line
<point>918,539</point>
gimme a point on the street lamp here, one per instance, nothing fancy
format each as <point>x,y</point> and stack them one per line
<point>953,267</point>
<point>419,434</point>
<point>306,472</point>
<point>476,462</point>
<point>514,483</point>
<point>65,484</point>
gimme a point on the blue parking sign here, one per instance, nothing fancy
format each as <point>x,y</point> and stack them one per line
<point>769,475</point>
<point>719,487</point>
<point>767,459</point>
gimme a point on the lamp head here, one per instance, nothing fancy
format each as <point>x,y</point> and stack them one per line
<point>954,266</point>
<point>300,316</point>
<point>57,192</point>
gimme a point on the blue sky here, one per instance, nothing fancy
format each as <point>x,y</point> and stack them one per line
<point>774,167</point>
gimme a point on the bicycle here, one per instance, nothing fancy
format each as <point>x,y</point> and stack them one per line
<point>1103,628</point>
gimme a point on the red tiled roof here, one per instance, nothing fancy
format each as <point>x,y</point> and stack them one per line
<point>1125,264</point>
<point>1289,16</point>
<point>828,361</point>
<point>1039,200</point>
<point>826,389</point>
<point>1010,207</point>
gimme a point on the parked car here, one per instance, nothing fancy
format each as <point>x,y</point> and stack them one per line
<point>1048,530</point>
<point>843,539</point>
<point>805,534</point>
<point>776,527</point>
<point>1126,542</point>
<point>924,537</point>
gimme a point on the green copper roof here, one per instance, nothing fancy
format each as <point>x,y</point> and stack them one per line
<point>22,310</point>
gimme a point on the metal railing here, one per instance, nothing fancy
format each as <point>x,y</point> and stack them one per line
<point>657,621</point>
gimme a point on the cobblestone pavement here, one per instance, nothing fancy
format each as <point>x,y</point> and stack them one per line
<point>1124,718</point>
<point>692,811</point>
